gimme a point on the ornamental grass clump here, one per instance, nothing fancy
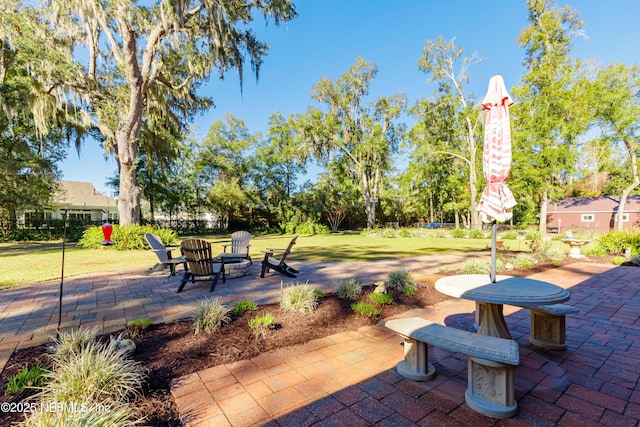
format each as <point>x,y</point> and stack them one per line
<point>211,315</point>
<point>350,289</point>
<point>68,344</point>
<point>402,281</point>
<point>299,297</point>
<point>92,383</point>
<point>475,266</point>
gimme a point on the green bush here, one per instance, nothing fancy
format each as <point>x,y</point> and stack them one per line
<point>476,233</point>
<point>402,281</point>
<point>532,235</point>
<point>618,260</point>
<point>366,310</point>
<point>243,306</point>
<point>458,233</point>
<point>475,266</point>
<point>509,235</point>
<point>26,379</point>
<point>260,324</point>
<point>405,232</point>
<point>311,227</point>
<point>299,297</point>
<point>381,299</point>
<point>349,289</point>
<point>440,234</point>
<point>617,242</point>
<point>389,233</point>
<point>525,261</point>
<point>126,237</point>
<point>211,315</point>
<point>318,293</point>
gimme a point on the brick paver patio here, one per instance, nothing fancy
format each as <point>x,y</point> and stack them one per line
<point>349,379</point>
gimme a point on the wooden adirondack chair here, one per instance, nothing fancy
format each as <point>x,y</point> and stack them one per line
<point>164,255</point>
<point>270,262</point>
<point>201,263</point>
<point>239,245</point>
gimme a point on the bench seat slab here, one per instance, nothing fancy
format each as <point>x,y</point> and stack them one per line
<point>491,379</point>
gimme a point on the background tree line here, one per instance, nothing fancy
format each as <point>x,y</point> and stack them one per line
<point>574,122</point>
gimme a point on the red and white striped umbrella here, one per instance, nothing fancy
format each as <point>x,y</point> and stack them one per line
<point>496,201</point>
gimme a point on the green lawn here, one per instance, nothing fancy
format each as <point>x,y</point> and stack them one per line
<point>27,263</point>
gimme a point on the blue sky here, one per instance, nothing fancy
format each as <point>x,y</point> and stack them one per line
<point>328,35</point>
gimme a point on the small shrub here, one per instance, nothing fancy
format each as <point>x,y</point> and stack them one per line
<point>27,378</point>
<point>69,344</point>
<point>440,234</point>
<point>618,260</point>
<point>525,261</point>
<point>243,306</point>
<point>402,281</point>
<point>319,293</point>
<point>476,233</point>
<point>404,232</point>
<point>260,324</point>
<point>509,235</point>
<point>532,235</point>
<point>211,315</point>
<point>555,254</point>
<point>365,310</point>
<point>381,299</point>
<point>458,233</point>
<point>389,233</point>
<point>299,297</point>
<point>475,266</point>
<point>349,289</point>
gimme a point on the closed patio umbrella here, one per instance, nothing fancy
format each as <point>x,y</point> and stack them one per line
<point>497,201</point>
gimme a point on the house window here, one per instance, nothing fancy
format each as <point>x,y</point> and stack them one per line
<point>625,217</point>
<point>588,218</point>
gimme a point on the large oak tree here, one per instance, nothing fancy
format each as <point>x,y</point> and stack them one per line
<point>130,66</point>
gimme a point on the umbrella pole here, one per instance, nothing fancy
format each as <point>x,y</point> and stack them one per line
<point>493,252</point>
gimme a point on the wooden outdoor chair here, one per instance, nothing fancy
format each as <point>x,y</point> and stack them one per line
<point>201,264</point>
<point>239,245</point>
<point>164,255</point>
<point>270,262</point>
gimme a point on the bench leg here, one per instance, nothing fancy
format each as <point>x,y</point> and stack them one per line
<point>548,331</point>
<point>490,390</point>
<point>415,365</point>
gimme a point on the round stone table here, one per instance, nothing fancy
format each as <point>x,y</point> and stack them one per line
<point>490,297</point>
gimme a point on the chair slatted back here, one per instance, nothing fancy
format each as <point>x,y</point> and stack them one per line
<point>240,242</point>
<point>156,246</point>
<point>286,252</point>
<point>199,257</point>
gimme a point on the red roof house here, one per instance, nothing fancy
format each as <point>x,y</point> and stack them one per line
<point>592,214</point>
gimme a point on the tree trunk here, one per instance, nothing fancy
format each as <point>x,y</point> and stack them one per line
<point>634,184</point>
<point>543,213</point>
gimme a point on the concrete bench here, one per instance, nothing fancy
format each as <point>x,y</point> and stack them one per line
<point>491,362</point>
<point>548,326</point>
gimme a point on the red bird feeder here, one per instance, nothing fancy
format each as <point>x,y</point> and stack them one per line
<point>107,229</point>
